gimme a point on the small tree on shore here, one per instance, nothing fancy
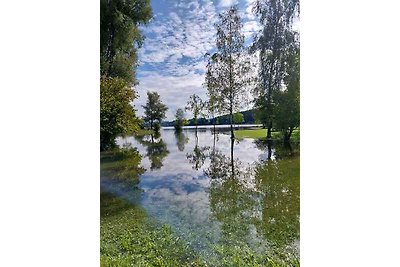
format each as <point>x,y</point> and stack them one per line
<point>238,118</point>
<point>180,120</point>
<point>154,110</point>
<point>196,106</point>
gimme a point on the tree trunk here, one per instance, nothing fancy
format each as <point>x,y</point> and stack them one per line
<point>287,135</point>
<point>151,124</point>
<point>232,134</point>
<point>232,162</point>
<point>269,130</point>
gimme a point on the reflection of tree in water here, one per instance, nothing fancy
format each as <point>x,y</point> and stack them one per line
<point>156,149</point>
<point>120,169</point>
<point>198,156</point>
<point>232,200</point>
<point>181,140</point>
<point>265,195</point>
<point>279,149</point>
<point>279,183</point>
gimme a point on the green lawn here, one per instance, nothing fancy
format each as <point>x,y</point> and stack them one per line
<point>262,133</point>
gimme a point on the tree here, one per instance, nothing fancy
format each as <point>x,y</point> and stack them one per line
<point>180,120</point>
<point>288,101</point>
<point>196,106</point>
<point>117,115</point>
<point>273,45</point>
<point>228,70</point>
<point>120,36</point>
<point>120,39</point>
<point>238,118</point>
<point>154,110</point>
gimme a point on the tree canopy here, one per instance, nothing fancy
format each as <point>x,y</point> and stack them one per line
<point>228,70</point>
<point>120,36</point>
<point>117,115</point>
<point>273,44</point>
<point>196,106</point>
<point>154,110</point>
<point>120,39</point>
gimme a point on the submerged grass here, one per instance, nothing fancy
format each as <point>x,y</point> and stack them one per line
<point>130,238</point>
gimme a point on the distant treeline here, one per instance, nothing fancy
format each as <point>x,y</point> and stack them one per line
<point>248,116</point>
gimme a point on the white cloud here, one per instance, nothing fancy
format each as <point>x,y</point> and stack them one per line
<point>172,57</point>
<point>227,3</point>
<point>250,28</point>
<point>174,90</point>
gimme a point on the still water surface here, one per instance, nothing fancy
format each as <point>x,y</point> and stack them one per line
<point>212,191</point>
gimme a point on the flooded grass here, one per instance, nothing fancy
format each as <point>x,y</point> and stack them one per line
<point>199,199</point>
<point>130,238</point>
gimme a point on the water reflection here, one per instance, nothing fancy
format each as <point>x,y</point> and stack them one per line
<point>181,140</point>
<point>156,149</point>
<point>222,192</point>
<point>198,155</point>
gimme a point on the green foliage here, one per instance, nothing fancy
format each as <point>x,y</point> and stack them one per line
<point>228,70</point>
<point>179,119</point>
<point>120,37</point>
<point>129,238</point>
<point>287,115</point>
<point>274,44</point>
<point>196,106</point>
<point>157,127</point>
<point>238,118</point>
<point>117,115</point>
<point>154,110</point>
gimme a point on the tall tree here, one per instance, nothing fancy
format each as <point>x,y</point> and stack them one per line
<point>120,37</point>
<point>228,70</point>
<point>117,115</point>
<point>154,110</point>
<point>273,44</point>
<point>288,100</point>
<point>196,106</point>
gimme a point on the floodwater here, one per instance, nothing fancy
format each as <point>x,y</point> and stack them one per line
<point>213,192</point>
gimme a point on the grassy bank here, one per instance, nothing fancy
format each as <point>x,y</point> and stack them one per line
<point>262,133</point>
<point>129,238</point>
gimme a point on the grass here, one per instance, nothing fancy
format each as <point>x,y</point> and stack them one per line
<point>129,238</point>
<point>262,133</point>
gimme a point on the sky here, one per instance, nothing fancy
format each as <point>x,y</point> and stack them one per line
<point>171,60</point>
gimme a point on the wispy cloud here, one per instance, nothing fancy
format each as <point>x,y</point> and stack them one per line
<point>172,58</point>
<point>227,3</point>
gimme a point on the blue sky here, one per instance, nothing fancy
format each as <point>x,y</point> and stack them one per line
<point>171,60</point>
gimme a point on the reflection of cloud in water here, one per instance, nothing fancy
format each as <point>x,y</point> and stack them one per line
<point>180,196</point>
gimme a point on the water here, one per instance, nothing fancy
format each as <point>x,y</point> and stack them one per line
<point>213,192</point>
